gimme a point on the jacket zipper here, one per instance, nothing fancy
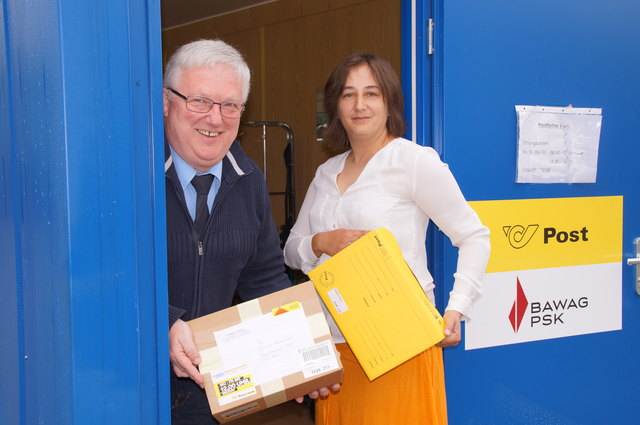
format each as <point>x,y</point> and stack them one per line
<point>200,247</point>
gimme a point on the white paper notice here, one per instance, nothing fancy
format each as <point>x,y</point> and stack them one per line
<point>558,144</point>
<point>268,345</point>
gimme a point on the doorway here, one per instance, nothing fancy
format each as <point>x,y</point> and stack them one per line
<point>291,47</point>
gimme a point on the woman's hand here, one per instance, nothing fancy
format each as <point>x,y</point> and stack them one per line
<point>452,332</point>
<point>332,242</point>
<point>320,393</point>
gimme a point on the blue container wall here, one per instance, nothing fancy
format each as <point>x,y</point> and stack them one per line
<point>82,261</point>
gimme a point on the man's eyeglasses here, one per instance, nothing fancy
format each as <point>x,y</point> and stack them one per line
<point>204,105</point>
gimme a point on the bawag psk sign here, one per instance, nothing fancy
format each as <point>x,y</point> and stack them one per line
<point>555,270</point>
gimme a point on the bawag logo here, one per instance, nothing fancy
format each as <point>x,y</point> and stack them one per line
<point>519,307</point>
<point>548,312</point>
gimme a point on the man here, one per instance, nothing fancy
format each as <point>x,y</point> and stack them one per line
<point>221,238</point>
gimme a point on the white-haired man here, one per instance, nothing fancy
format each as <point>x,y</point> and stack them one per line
<point>229,247</point>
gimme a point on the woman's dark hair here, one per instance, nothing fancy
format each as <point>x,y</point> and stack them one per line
<point>385,76</point>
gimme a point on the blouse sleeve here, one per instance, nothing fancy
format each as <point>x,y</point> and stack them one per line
<point>298,253</point>
<point>437,193</point>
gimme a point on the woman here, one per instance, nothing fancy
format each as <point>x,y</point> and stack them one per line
<point>383,180</point>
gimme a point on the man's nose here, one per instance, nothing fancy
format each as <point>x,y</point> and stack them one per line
<point>215,114</point>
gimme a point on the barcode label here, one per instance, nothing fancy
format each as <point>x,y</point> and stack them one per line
<point>315,353</point>
<point>318,359</point>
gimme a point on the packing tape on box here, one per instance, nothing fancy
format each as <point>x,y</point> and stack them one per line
<point>211,360</point>
<point>318,325</point>
<point>273,392</point>
<point>249,310</point>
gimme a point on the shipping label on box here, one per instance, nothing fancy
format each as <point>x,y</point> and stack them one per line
<point>265,352</point>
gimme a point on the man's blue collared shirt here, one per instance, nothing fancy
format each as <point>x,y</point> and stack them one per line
<point>186,173</point>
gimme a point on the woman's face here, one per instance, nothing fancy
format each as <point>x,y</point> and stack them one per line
<point>362,108</point>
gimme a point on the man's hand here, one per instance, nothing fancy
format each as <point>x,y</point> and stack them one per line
<point>183,353</point>
<point>452,332</point>
<point>322,392</point>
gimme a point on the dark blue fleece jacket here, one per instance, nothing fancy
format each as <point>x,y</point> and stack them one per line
<point>239,249</point>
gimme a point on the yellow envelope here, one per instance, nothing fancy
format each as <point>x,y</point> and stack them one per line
<point>377,302</point>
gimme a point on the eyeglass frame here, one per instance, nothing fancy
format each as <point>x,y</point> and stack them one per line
<point>213,102</point>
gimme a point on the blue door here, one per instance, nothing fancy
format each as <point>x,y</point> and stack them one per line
<point>82,228</point>
<point>488,57</point>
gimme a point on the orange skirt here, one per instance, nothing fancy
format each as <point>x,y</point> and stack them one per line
<point>412,393</point>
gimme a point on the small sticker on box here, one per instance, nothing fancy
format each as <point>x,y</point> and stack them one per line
<point>232,385</point>
<point>318,359</point>
<point>286,308</point>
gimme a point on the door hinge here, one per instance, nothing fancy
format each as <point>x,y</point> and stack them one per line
<point>430,27</point>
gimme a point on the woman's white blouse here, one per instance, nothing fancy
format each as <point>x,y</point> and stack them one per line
<point>401,188</point>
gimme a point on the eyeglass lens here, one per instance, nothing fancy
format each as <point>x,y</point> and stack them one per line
<point>202,104</point>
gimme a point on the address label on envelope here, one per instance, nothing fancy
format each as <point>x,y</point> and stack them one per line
<point>337,300</point>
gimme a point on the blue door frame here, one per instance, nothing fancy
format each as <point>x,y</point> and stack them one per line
<point>82,261</point>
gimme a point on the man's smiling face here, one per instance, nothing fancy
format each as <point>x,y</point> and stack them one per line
<point>202,139</point>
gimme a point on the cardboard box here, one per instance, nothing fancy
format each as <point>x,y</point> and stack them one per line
<point>265,352</point>
<point>378,303</point>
